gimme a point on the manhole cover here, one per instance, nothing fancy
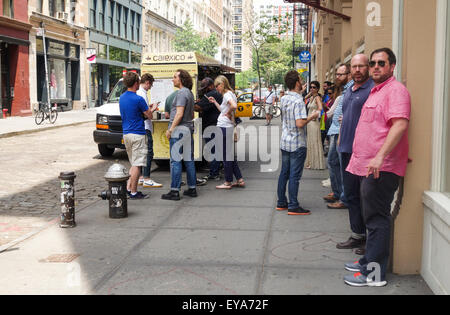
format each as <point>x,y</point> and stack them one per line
<point>60,258</point>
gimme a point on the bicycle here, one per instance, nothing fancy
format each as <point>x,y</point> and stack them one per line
<point>46,113</point>
<point>259,110</point>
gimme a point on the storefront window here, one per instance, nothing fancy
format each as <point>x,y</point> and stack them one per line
<point>135,57</point>
<point>118,54</point>
<point>57,72</point>
<point>446,151</point>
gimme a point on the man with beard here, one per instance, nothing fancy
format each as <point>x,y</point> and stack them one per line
<point>353,102</point>
<point>335,198</point>
<point>379,163</point>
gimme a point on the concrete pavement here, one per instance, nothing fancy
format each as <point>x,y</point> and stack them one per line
<point>223,242</point>
<point>16,125</point>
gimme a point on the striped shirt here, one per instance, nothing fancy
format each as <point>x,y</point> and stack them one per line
<point>292,109</point>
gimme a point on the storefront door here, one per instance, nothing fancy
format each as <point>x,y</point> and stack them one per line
<point>5,79</point>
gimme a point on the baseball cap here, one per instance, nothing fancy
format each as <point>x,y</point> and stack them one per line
<point>205,83</point>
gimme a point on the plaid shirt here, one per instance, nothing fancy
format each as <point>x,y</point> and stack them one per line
<point>292,109</point>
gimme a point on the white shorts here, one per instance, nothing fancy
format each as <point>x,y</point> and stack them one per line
<point>269,109</point>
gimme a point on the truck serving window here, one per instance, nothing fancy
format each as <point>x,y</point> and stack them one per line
<point>118,90</point>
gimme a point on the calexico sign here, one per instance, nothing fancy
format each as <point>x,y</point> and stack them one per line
<point>169,58</point>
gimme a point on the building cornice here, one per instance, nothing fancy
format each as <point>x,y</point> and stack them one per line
<point>15,24</point>
<point>162,21</point>
<point>38,18</point>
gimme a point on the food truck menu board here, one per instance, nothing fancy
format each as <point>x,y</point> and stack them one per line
<point>161,89</point>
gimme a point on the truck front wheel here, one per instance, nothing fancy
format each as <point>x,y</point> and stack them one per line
<point>105,150</point>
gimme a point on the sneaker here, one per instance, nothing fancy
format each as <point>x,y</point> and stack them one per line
<point>138,195</point>
<point>211,177</point>
<point>326,183</point>
<point>141,181</point>
<point>151,184</point>
<point>201,182</point>
<point>360,280</point>
<point>172,195</point>
<point>299,211</point>
<point>354,266</point>
<point>281,208</point>
<point>191,192</point>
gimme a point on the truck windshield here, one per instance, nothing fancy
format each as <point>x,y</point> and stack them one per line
<point>118,90</point>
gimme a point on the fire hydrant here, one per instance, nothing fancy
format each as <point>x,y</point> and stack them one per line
<point>116,176</point>
<point>67,200</point>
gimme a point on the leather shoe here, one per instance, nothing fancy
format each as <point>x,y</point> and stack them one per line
<point>351,243</point>
<point>360,251</point>
<point>330,198</point>
<point>337,205</point>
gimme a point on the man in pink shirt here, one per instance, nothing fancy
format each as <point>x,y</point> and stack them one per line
<point>380,156</point>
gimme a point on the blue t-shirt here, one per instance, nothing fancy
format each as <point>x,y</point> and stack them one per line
<point>132,107</point>
<point>352,104</point>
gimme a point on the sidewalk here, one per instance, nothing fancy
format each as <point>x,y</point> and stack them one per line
<point>223,242</point>
<point>16,125</point>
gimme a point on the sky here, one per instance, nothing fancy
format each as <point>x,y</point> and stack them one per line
<point>276,2</point>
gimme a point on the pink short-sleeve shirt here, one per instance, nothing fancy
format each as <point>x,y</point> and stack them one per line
<point>386,101</point>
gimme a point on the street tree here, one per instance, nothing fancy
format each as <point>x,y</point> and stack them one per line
<point>260,35</point>
<point>187,39</point>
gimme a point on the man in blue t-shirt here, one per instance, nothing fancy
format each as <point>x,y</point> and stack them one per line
<point>132,110</point>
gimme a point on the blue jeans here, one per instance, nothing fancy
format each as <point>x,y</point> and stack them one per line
<point>176,167</point>
<point>291,170</point>
<point>230,165</point>
<point>214,165</point>
<point>146,169</point>
<point>334,167</point>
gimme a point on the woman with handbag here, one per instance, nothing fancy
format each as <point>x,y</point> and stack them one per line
<point>226,123</point>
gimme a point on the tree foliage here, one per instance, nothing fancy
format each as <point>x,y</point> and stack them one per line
<point>187,39</point>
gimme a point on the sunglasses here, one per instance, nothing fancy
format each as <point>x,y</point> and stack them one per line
<point>381,63</point>
<point>314,87</point>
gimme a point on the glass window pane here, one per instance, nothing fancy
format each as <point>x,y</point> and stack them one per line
<point>57,78</point>
<point>118,54</point>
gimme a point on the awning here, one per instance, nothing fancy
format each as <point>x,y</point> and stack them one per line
<point>14,41</point>
<point>316,4</point>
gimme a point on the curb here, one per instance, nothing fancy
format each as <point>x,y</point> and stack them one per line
<point>24,132</point>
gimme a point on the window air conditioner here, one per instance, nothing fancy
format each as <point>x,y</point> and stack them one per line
<point>62,15</point>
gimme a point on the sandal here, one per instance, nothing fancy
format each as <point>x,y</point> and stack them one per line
<point>240,183</point>
<point>224,186</point>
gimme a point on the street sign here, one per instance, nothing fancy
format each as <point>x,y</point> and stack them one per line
<point>305,56</point>
<point>39,32</point>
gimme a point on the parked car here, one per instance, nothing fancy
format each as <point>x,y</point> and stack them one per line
<point>256,99</point>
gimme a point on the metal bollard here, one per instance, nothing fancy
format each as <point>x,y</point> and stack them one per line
<point>117,176</point>
<point>67,200</point>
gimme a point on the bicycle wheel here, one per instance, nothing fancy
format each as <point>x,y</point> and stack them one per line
<point>53,115</point>
<point>257,112</point>
<point>276,112</point>
<point>39,118</point>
